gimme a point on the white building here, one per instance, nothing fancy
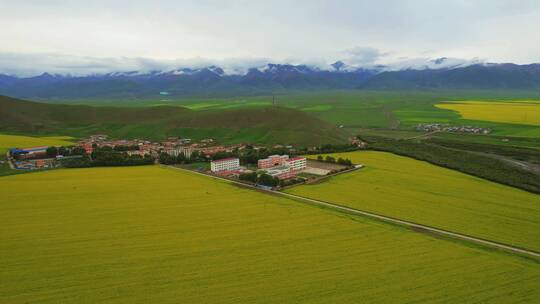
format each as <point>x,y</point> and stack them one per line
<point>297,163</point>
<point>226,164</point>
<point>185,150</point>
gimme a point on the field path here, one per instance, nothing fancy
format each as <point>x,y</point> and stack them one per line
<point>381,217</point>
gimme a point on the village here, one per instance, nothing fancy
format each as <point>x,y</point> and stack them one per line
<point>440,127</point>
<point>267,166</point>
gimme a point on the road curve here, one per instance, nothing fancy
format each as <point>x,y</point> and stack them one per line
<point>380,217</point>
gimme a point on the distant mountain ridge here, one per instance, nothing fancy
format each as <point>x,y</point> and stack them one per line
<point>493,76</point>
<point>272,78</point>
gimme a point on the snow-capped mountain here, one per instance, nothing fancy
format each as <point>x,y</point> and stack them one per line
<point>270,78</point>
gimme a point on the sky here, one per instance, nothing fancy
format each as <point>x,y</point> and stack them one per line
<point>81,37</point>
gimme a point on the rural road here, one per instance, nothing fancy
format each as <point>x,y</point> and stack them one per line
<point>380,217</point>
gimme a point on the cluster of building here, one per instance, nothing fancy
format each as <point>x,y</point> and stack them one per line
<point>171,146</point>
<point>34,158</point>
<point>31,158</point>
<point>438,127</point>
<point>280,166</point>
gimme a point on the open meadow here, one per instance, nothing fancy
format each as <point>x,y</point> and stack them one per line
<point>152,234</point>
<point>390,110</point>
<point>417,191</point>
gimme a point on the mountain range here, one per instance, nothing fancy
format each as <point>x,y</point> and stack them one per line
<point>269,79</point>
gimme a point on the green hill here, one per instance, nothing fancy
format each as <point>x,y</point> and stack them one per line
<point>256,125</point>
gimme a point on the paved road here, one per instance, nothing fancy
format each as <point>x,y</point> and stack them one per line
<point>382,217</point>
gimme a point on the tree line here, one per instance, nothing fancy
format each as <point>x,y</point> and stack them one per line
<point>107,157</point>
<point>340,161</point>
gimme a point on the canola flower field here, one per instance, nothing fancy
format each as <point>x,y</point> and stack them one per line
<point>140,234</point>
<point>420,192</point>
<point>515,112</point>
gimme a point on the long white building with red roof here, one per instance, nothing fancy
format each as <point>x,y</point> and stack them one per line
<point>226,164</point>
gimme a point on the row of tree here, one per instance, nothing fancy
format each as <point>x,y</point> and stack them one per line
<point>65,151</point>
<point>262,179</point>
<point>340,161</point>
<point>104,157</point>
<point>113,158</point>
<point>330,148</point>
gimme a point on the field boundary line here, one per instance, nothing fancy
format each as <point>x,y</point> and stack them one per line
<point>379,217</point>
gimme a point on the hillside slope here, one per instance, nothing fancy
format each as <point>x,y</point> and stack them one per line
<point>256,125</point>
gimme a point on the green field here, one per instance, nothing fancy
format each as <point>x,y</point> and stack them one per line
<point>417,191</point>
<point>150,234</point>
<point>16,141</point>
<point>391,110</point>
<point>227,123</point>
<point>401,110</point>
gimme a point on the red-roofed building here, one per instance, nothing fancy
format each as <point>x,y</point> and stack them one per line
<point>272,161</point>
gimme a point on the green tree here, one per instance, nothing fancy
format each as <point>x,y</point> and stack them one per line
<point>330,159</point>
<point>268,180</point>
<point>52,151</point>
<point>250,177</point>
<point>63,151</point>
<point>181,159</point>
<point>78,151</point>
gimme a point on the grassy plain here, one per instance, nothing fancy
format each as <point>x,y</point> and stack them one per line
<point>525,113</point>
<point>387,110</point>
<point>150,234</point>
<point>408,189</point>
<point>230,123</point>
<point>11,141</point>
<point>395,110</point>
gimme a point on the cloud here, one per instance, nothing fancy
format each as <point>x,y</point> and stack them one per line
<point>165,29</point>
<point>26,65</point>
<point>431,63</point>
<point>363,56</point>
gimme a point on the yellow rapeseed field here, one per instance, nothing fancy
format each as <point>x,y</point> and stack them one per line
<point>11,141</point>
<point>526,113</point>
<point>156,235</point>
<point>417,191</point>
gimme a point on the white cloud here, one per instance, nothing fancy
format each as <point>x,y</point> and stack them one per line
<point>363,56</point>
<point>95,35</point>
<point>34,64</point>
